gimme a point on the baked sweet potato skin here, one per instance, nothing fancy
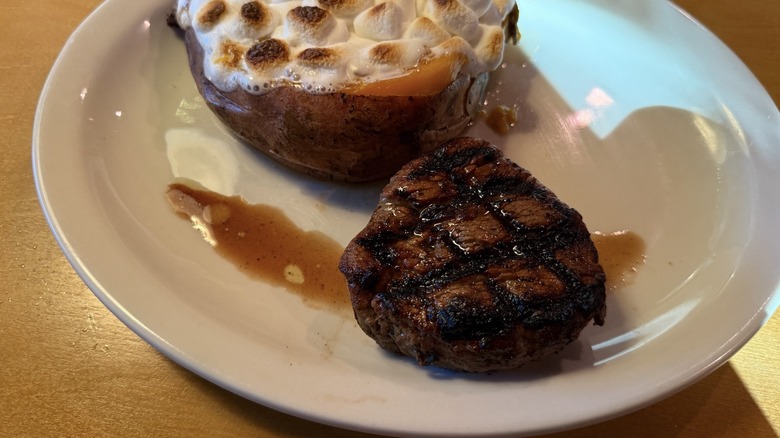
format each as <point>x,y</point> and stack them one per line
<point>340,136</point>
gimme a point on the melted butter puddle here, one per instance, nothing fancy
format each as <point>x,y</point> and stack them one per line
<point>621,254</point>
<point>263,243</point>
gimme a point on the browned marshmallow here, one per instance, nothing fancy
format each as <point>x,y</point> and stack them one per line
<point>320,57</point>
<point>381,23</point>
<point>268,54</point>
<point>313,25</point>
<point>211,14</point>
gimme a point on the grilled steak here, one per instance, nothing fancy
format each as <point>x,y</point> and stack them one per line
<point>470,263</point>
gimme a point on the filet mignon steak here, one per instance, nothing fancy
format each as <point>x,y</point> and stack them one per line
<point>470,263</point>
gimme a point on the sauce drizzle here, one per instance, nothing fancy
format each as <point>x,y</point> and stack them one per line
<point>621,254</point>
<point>265,244</point>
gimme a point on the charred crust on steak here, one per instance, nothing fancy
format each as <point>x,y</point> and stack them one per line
<point>470,263</point>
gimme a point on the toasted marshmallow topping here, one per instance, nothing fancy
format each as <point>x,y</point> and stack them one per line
<point>328,45</point>
<point>345,8</point>
<point>257,21</point>
<point>313,26</point>
<point>381,23</point>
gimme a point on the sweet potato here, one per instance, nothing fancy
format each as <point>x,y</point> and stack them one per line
<point>341,136</point>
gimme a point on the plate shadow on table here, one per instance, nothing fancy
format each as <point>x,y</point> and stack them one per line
<point>719,402</point>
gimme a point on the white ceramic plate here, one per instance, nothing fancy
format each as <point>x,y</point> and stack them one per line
<point>631,112</point>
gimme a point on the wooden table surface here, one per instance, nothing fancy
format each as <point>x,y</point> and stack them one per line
<point>70,368</point>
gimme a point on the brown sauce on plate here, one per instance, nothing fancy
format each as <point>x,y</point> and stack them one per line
<point>621,254</point>
<point>265,244</point>
<point>501,119</point>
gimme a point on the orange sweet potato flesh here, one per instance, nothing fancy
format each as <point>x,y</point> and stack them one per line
<point>427,79</point>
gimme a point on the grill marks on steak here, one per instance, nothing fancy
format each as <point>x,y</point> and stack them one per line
<point>470,263</point>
